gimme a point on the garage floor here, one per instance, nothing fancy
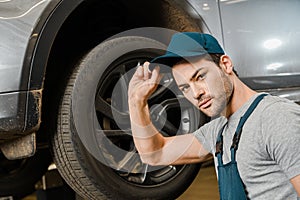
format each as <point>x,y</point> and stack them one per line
<point>204,187</point>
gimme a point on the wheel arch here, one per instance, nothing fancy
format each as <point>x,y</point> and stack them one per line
<point>51,25</point>
<point>42,39</point>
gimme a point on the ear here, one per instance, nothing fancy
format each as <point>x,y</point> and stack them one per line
<point>226,64</point>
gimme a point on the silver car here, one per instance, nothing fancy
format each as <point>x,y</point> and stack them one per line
<point>64,71</point>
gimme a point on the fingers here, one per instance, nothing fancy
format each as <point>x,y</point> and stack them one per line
<point>156,76</point>
<point>140,71</point>
<point>143,71</point>
<point>145,74</point>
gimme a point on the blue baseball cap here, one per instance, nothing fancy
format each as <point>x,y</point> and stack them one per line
<point>184,45</point>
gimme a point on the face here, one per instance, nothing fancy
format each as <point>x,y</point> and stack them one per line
<point>205,85</point>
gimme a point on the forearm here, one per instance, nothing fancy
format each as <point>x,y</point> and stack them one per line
<point>147,138</point>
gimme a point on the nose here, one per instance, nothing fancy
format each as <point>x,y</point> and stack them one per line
<point>197,91</point>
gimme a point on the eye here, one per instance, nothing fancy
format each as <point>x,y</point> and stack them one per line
<point>184,88</point>
<point>200,76</point>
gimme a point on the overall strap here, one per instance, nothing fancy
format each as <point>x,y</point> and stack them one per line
<point>219,145</point>
<point>238,131</point>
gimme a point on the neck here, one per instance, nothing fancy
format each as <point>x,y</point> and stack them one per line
<point>240,95</point>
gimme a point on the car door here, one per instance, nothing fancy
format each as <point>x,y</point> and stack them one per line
<point>263,39</point>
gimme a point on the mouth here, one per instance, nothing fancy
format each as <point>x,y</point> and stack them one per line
<point>205,103</point>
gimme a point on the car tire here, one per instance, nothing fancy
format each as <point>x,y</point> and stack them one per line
<point>81,158</point>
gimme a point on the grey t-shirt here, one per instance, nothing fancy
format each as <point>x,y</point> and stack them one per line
<point>268,155</point>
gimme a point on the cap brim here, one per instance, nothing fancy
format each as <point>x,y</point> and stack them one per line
<point>171,59</point>
<point>166,62</point>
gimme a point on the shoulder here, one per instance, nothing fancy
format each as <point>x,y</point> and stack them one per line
<point>279,117</point>
<point>214,124</point>
<point>209,129</point>
<point>274,106</point>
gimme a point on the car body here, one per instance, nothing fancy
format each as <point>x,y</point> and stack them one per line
<point>42,42</point>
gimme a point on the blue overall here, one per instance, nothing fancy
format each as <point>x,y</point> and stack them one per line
<point>231,186</point>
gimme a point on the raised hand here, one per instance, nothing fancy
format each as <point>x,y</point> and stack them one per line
<point>143,83</point>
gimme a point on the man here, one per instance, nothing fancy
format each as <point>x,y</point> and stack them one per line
<point>267,150</point>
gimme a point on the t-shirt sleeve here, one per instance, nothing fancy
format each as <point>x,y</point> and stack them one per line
<point>281,130</point>
<point>207,134</point>
<point>201,136</point>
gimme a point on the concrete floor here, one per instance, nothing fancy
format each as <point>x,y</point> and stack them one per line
<point>204,187</point>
